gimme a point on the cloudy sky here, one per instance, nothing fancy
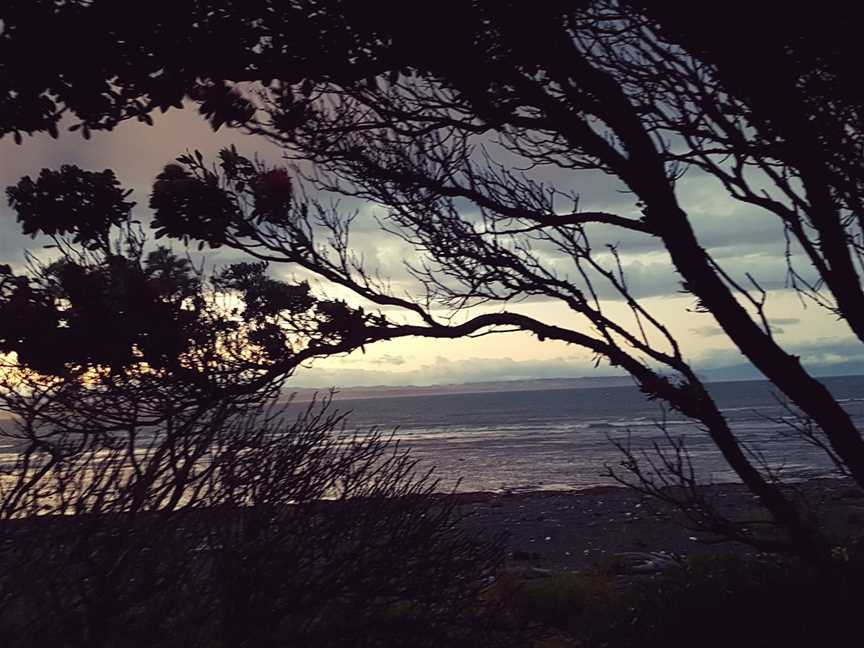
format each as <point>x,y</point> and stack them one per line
<point>740,237</point>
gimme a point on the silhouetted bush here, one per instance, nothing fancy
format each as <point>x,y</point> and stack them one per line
<point>715,601</point>
<point>237,529</point>
<point>733,601</point>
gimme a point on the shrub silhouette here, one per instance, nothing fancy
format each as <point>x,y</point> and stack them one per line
<point>237,528</point>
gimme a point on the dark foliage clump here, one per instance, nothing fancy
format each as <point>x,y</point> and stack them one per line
<point>715,601</point>
<point>235,529</point>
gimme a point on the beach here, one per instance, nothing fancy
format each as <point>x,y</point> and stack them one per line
<point>575,530</point>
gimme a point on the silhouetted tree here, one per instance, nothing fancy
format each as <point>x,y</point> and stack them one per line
<point>389,112</point>
<point>159,495</point>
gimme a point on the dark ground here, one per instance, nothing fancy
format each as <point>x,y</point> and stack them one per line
<point>573,530</point>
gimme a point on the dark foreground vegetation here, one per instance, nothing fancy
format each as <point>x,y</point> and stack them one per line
<point>714,601</point>
<point>238,531</point>
<point>367,573</point>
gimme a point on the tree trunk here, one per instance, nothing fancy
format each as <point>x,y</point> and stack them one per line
<point>781,368</point>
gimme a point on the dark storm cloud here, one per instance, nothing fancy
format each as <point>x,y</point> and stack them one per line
<point>135,152</point>
<point>741,237</point>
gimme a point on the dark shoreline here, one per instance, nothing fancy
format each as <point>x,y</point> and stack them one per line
<point>573,530</point>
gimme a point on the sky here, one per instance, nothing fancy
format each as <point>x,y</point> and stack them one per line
<point>741,237</point>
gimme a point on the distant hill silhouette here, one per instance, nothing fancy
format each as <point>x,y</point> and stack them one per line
<point>538,384</point>
<point>736,372</point>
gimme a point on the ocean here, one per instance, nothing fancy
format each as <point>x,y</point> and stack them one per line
<point>562,439</point>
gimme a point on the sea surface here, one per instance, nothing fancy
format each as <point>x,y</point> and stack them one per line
<point>563,439</point>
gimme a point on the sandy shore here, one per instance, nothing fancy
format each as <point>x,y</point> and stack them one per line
<point>572,530</point>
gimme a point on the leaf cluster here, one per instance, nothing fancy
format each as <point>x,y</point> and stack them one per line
<point>71,201</point>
